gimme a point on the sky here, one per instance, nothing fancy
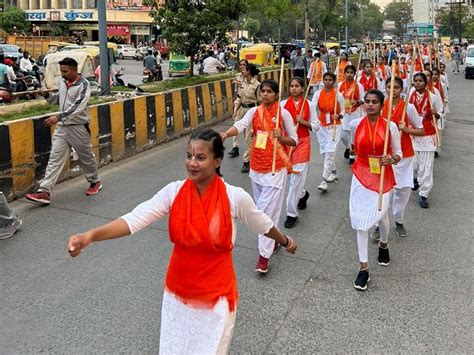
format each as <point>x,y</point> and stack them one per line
<point>382,3</point>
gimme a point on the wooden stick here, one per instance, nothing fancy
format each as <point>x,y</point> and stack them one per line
<point>301,112</point>
<point>407,97</point>
<point>355,80</point>
<point>277,123</point>
<point>431,63</point>
<point>387,132</point>
<point>32,92</point>
<point>335,103</point>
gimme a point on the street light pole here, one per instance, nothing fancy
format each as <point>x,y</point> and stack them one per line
<point>103,49</point>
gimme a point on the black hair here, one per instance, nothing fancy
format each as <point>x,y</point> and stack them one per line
<point>368,62</point>
<point>2,58</point>
<point>330,74</point>
<point>272,84</point>
<point>245,61</point>
<point>69,62</point>
<point>377,93</point>
<point>209,135</point>
<point>298,79</point>
<point>428,70</point>
<point>345,54</point>
<point>397,79</point>
<point>252,68</point>
<point>317,55</point>
<point>421,75</point>
<point>350,66</point>
<point>149,51</point>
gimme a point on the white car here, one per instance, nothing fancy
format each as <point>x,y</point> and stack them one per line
<point>126,51</point>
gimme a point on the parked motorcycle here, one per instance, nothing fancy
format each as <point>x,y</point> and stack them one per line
<point>148,75</point>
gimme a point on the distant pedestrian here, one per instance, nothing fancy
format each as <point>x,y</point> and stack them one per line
<point>456,59</point>
<point>297,64</point>
<point>72,130</point>
<point>9,221</point>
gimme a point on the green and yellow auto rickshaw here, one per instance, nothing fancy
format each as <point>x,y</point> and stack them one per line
<point>179,64</point>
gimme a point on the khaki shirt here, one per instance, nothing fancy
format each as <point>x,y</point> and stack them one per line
<point>240,78</point>
<point>249,92</point>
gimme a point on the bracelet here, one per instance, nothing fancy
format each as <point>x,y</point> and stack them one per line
<point>287,242</point>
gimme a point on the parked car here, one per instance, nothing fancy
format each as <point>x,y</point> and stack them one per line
<point>10,51</point>
<point>126,51</point>
<point>469,68</point>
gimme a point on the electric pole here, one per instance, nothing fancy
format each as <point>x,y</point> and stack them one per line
<point>103,49</point>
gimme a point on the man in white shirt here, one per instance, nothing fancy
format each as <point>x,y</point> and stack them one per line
<point>210,64</point>
<point>27,67</point>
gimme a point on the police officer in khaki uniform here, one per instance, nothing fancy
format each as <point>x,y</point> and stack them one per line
<point>247,97</point>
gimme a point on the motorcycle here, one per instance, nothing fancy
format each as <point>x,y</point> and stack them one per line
<point>148,75</point>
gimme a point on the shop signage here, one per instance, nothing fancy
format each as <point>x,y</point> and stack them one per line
<point>118,30</point>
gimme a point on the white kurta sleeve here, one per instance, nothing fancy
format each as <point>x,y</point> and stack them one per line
<point>313,117</point>
<point>438,106</point>
<point>361,92</point>
<point>340,100</point>
<point>149,211</point>
<point>247,212</point>
<point>246,121</point>
<point>395,140</point>
<point>310,71</point>
<point>415,120</point>
<point>289,125</point>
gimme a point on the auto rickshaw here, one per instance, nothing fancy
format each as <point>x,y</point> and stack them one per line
<point>85,66</point>
<point>260,54</point>
<point>179,64</point>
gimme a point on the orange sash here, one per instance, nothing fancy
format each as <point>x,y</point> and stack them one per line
<point>348,92</point>
<point>316,72</point>
<point>397,113</point>
<point>423,107</point>
<point>302,152</point>
<point>261,159</point>
<point>201,269</point>
<point>340,70</point>
<point>369,140</point>
<point>369,82</point>
<point>326,106</point>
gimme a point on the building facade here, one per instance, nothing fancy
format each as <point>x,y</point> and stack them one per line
<point>128,21</point>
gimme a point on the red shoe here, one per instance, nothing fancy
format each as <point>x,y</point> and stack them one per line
<point>262,265</point>
<point>94,188</point>
<point>40,197</point>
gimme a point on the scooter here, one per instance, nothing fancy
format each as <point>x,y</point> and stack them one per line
<point>149,77</point>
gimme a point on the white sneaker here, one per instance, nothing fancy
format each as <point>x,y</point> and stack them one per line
<point>323,186</point>
<point>332,177</point>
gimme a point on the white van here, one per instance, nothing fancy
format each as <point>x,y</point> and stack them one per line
<point>469,61</point>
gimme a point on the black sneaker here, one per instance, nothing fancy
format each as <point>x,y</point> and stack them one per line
<point>436,154</point>
<point>362,279</point>
<point>415,185</point>
<point>351,161</point>
<point>245,168</point>
<point>303,200</point>
<point>290,221</point>
<point>400,230</point>
<point>384,257</point>
<point>423,201</point>
<point>375,235</point>
<point>234,152</point>
<point>346,154</point>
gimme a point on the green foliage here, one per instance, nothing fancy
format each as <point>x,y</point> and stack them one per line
<point>252,25</point>
<point>469,29</point>
<point>452,20</point>
<point>57,28</point>
<point>401,13</point>
<point>187,25</point>
<point>12,20</point>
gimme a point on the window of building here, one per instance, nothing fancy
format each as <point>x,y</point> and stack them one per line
<point>47,4</point>
<point>34,4</point>
<point>91,4</point>
<point>76,4</point>
<point>62,4</point>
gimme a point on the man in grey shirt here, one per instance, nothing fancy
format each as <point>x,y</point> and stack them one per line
<point>324,55</point>
<point>297,63</point>
<point>72,131</point>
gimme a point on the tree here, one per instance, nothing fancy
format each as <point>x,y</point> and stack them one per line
<point>401,13</point>
<point>189,24</point>
<point>452,20</point>
<point>469,29</point>
<point>57,28</point>
<point>252,25</point>
<point>12,20</point>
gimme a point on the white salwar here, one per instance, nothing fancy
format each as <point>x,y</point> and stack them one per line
<point>185,329</point>
<point>424,147</point>
<point>363,203</point>
<point>268,190</point>
<point>403,172</point>
<point>296,182</point>
<point>328,145</point>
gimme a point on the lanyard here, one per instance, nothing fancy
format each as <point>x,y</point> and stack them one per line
<point>373,133</point>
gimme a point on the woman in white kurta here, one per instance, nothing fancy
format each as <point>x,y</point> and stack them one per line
<point>200,298</point>
<point>369,138</point>
<point>304,117</point>
<point>353,93</point>
<point>428,105</point>
<point>329,104</point>
<point>268,188</point>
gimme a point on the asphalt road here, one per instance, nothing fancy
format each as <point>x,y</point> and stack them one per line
<point>109,299</point>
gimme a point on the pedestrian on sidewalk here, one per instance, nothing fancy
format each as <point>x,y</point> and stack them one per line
<point>72,131</point>
<point>329,104</point>
<point>200,297</point>
<point>9,221</point>
<point>315,73</point>
<point>247,98</point>
<point>369,139</point>
<point>268,188</point>
<point>456,59</point>
<point>305,119</point>
<point>297,64</point>
<point>425,145</point>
